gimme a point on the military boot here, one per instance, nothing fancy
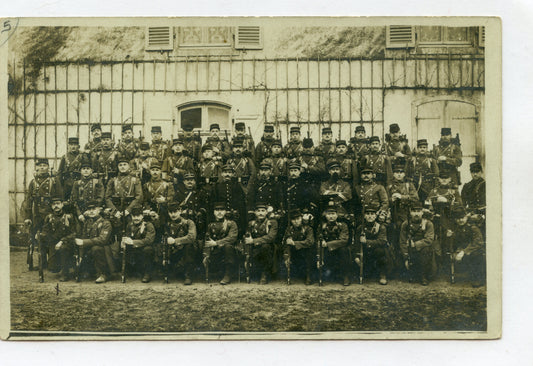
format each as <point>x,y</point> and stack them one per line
<point>263,280</point>
<point>308,278</point>
<point>226,280</point>
<point>188,280</point>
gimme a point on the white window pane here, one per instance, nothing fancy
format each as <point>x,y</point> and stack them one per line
<point>220,116</point>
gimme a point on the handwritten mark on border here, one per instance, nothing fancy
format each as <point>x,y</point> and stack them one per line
<point>7,29</point>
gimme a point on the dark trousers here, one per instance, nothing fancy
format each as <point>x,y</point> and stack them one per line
<point>338,260</point>
<point>96,255</point>
<point>262,257</point>
<point>182,259</point>
<point>63,258</point>
<point>422,262</point>
<point>376,261</point>
<point>141,259</point>
<point>220,257</point>
<point>301,260</point>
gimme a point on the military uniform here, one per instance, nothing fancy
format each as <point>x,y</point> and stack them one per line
<point>270,192</point>
<point>225,234</point>
<point>358,147</point>
<point>124,188</point>
<point>473,194</point>
<point>422,235</point>
<point>243,166</point>
<point>371,194</point>
<point>195,203</point>
<point>264,148</point>
<point>94,146</point>
<point>105,162</point>
<point>380,163</point>
<point>299,254</point>
<point>263,234</point>
<point>69,168</point>
<point>348,166</point>
<point>325,149</point>
<point>140,254</point>
<point>397,147</point>
<point>158,189</point>
<point>312,164</point>
<point>230,193</point>
<point>159,150</point>
<point>182,252</point>
<point>192,146</point>
<point>343,195</point>
<point>337,254</point>
<point>86,190</point>
<point>293,149</point>
<point>423,170</point>
<point>96,236</point>
<point>176,165</point>
<point>453,154</point>
<point>209,170</point>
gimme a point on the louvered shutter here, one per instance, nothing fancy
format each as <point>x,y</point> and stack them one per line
<point>159,39</point>
<point>400,36</point>
<point>482,36</point>
<point>248,38</point>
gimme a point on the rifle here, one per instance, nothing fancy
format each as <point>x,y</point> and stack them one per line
<point>288,255</point>
<point>320,258</point>
<point>166,258</point>
<point>247,257</point>
<point>206,258</point>
<point>124,223</point>
<point>31,247</point>
<point>361,251</point>
<point>41,254</point>
<point>409,248</point>
<point>78,260</point>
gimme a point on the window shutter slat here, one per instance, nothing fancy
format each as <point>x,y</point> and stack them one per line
<point>248,37</point>
<point>481,36</point>
<point>159,39</point>
<point>400,36</point>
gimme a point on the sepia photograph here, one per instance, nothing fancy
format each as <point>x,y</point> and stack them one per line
<point>253,178</point>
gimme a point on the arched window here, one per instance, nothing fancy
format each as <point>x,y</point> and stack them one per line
<point>200,114</point>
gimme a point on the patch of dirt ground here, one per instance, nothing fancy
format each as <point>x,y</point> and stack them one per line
<point>173,307</point>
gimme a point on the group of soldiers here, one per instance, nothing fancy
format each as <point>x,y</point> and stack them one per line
<point>231,207</point>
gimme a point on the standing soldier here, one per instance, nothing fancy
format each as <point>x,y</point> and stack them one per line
<point>159,148</point>
<point>95,241</point>
<point>58,233</point>
<point>157,193</point>
<point>263,149</point>
<point>177,163</point>
<point>326,148</point>
<point>371,245</point>
<point>219,146</point>
<point>230,192</point>
<point>396,145</point>
<point>369,193</point>
<point>180,234</point>
<point>139,239</point>
<point>127,146</point>
<point>299,193</point>
<point>359,143</point>
<point>378,161</point>
<point>422,169</point>
<point>348,164</point>
<point>335,189</point>
<point>242,163</point>
<point>312,165</point>
<point>220,240</point>
<point>69,166</point>
<point>333,236</point>
<point>278,161</point>
<point>209,167</point>
<point>94,146</point>
<point>87,189</point>
<point>441,199</point>
<point>192,143</point>
<point>473,195</point>
<point>247,140</point>
<point>449,155</point>
<point>294,148</point>
<point>416,242</point>
<point>140,166</point>
<point>468,246</point>
<point>267,190</point>
<point>194,201</point>
<point>259,240</point>
<point>37,204</point>
<point>104,162</point>
<point>298,244</point>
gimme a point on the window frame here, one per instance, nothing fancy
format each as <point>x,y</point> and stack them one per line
<point>444,42</point>
<point>204,105</point>
<point>204,31</point>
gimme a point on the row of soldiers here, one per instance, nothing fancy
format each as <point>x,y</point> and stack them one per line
<point>353,200</point>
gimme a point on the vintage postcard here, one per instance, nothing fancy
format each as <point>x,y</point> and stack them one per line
<point>251,178</point>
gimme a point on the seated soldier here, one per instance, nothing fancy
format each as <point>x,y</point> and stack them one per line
<point>468,247</point>
<point>57,235</point>
<point>259,239</point>
<point>333,235</point>
<point>180,234</point>
<point>95,241</point>
<point>371,245</point>
<point>416,243</point>
<point>138,241</point>
<point>298,243</point>
<point>220,240</point>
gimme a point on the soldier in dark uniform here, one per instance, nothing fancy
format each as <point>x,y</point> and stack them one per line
<point>474,197</point>
<point>422,169</point>
<point>247,140</point>
<point>177,163</point>
<point>180,234</point>
<point>468,246</point>
<point>294,147</point>
<point>299,193</point>
<point>192,143</point>
<point>104,161</point>
<point>95,145</point>
<point>279,162</point>
<point>312,165</point>
<point>449,155</point>
<point>359,144</point>
<point>127,146</point>
<point>335,189</point>
<point>370,193</point>
<point>210,166</point>
<point>333,236</point>
<point>220,147</point>
<point>267,190</point>
<point>229,191</point>
<point>220,240</point>
<point>69,166</point>
<point>263,148</point>
<point>371,240</point>
<point>159,148</point>
<point>57,235</point>
<point>87,189</point>
<point>348,164</point>
<point>260,236</point>
<point>139,239</point>
<point>243,165</point>
<point>378,161</point>
<point>95,241</point>
<point>194,201</point>
<point>37,202</point>
<point>326,147</point>
<point>416,242</point>
<point>396,145</point>
<point>140,166</point>
<point>157,193</point>
<point>298,242</point>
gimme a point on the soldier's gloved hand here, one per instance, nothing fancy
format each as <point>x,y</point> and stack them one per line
<point>126,212</point>
<point>459,256</point>
<point>210,243</point>
<point>399,154</point>
<point>407,264</point>
<point>78,242</point>
<point>58,245</point>
<point>176,170</point>
<point>118,214</point>
<point>324,244</point>
<point>81,218</point>
<point>449,233</point>
<point>170,240</point>
<point>289,241</point>
<point>248,240</point>
<point>27,222</point>
<point>160,199</point>
<point>412,243</point>
<point>442,199</point>
<point>358,261</point>
<point>362,239</point>
<point>442,158</point>
<point>127,241</point>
